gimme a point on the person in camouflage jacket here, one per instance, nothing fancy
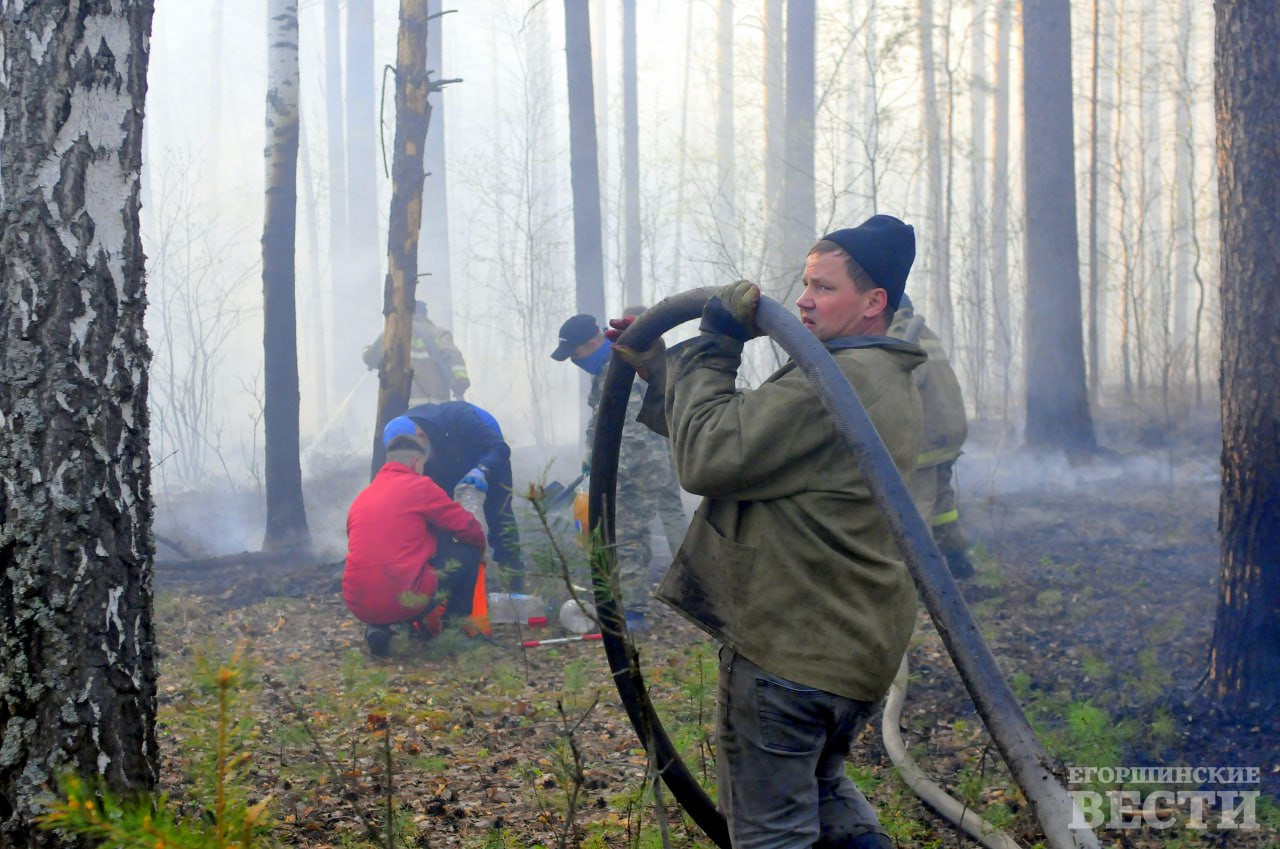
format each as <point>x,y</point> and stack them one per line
<point>646,477</point>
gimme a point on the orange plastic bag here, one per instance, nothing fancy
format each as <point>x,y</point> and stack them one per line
<point>580,513</point>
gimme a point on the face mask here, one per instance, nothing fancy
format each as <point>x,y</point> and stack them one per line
<point>594,362</point>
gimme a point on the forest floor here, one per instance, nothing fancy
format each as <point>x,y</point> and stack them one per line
<point>1095,590</point>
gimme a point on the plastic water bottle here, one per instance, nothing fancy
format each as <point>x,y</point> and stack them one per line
<point>578,618</point>
<point>507,608</point>
<point>472,499</point>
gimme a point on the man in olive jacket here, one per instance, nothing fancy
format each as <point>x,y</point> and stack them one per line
<point>788,562</point>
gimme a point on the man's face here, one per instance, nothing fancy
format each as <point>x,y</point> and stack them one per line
<point>587,348</point>
<point>830,304</point>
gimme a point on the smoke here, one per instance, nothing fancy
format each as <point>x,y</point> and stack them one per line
<point>1006,469</point>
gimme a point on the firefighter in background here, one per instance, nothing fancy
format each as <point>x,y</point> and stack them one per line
<point>438,367</point>
<point>945,429</point>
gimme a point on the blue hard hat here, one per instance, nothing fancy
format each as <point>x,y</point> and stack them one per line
<point>399,426</point>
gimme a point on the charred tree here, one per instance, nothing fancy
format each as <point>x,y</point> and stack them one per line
<point>1244,672</point>
<point>413,113</point>
<point>584,172</point>
<point>1058,416</point>
<point>78,691</point>
<point>286,513</point>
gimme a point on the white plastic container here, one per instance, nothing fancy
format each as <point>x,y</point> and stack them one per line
<point>578,618</point>
<point>506,608</point>
<point>472,499</point>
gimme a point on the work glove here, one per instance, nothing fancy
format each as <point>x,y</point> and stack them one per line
<point>731,311</point>
<point>646,362</point>
<point>476,478</point>
<point>460,386</point>
<point>618,326</point>
<point>586,468</point>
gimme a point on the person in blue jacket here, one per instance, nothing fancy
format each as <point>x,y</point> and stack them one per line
<point>467,447</point>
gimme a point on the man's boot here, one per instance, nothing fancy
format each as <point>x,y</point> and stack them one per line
<point>378,638</point>
<point>959,563</point>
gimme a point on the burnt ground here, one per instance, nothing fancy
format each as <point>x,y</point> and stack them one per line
<point>1095,590</point>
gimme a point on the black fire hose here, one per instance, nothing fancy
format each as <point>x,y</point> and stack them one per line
<point>1000,711</point>
<point>623,661</point>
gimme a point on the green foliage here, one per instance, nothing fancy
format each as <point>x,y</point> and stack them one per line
<point>989,573</point>
<point>1155,678</point>
<point>224,818</point>
<point>146,822</point>
<point>900,823</point>
<point>1092,737</point>
<point>969,782</point>
<point>1163,728</point>
<point>1049,600</point>
<point>1268,810</point>
<point>498,838</point>
<point>1095,667</point>
<point>1000,815</point>
<point>575,677</point>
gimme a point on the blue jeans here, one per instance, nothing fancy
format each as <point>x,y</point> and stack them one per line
<point>780,761</point>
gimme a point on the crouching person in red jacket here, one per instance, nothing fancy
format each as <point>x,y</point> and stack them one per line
<point>402,529</point>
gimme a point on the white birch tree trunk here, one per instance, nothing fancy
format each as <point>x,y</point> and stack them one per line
<point>78,689</point>
<point>286,523</point>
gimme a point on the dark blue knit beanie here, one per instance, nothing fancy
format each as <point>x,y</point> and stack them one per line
<point>885,247</point>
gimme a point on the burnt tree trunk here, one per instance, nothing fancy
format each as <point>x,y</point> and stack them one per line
<point>1058,416</point>
<point>413,113</point>
<point>1244,673</point>
<point>78,688</point>
<point>286,514</point>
